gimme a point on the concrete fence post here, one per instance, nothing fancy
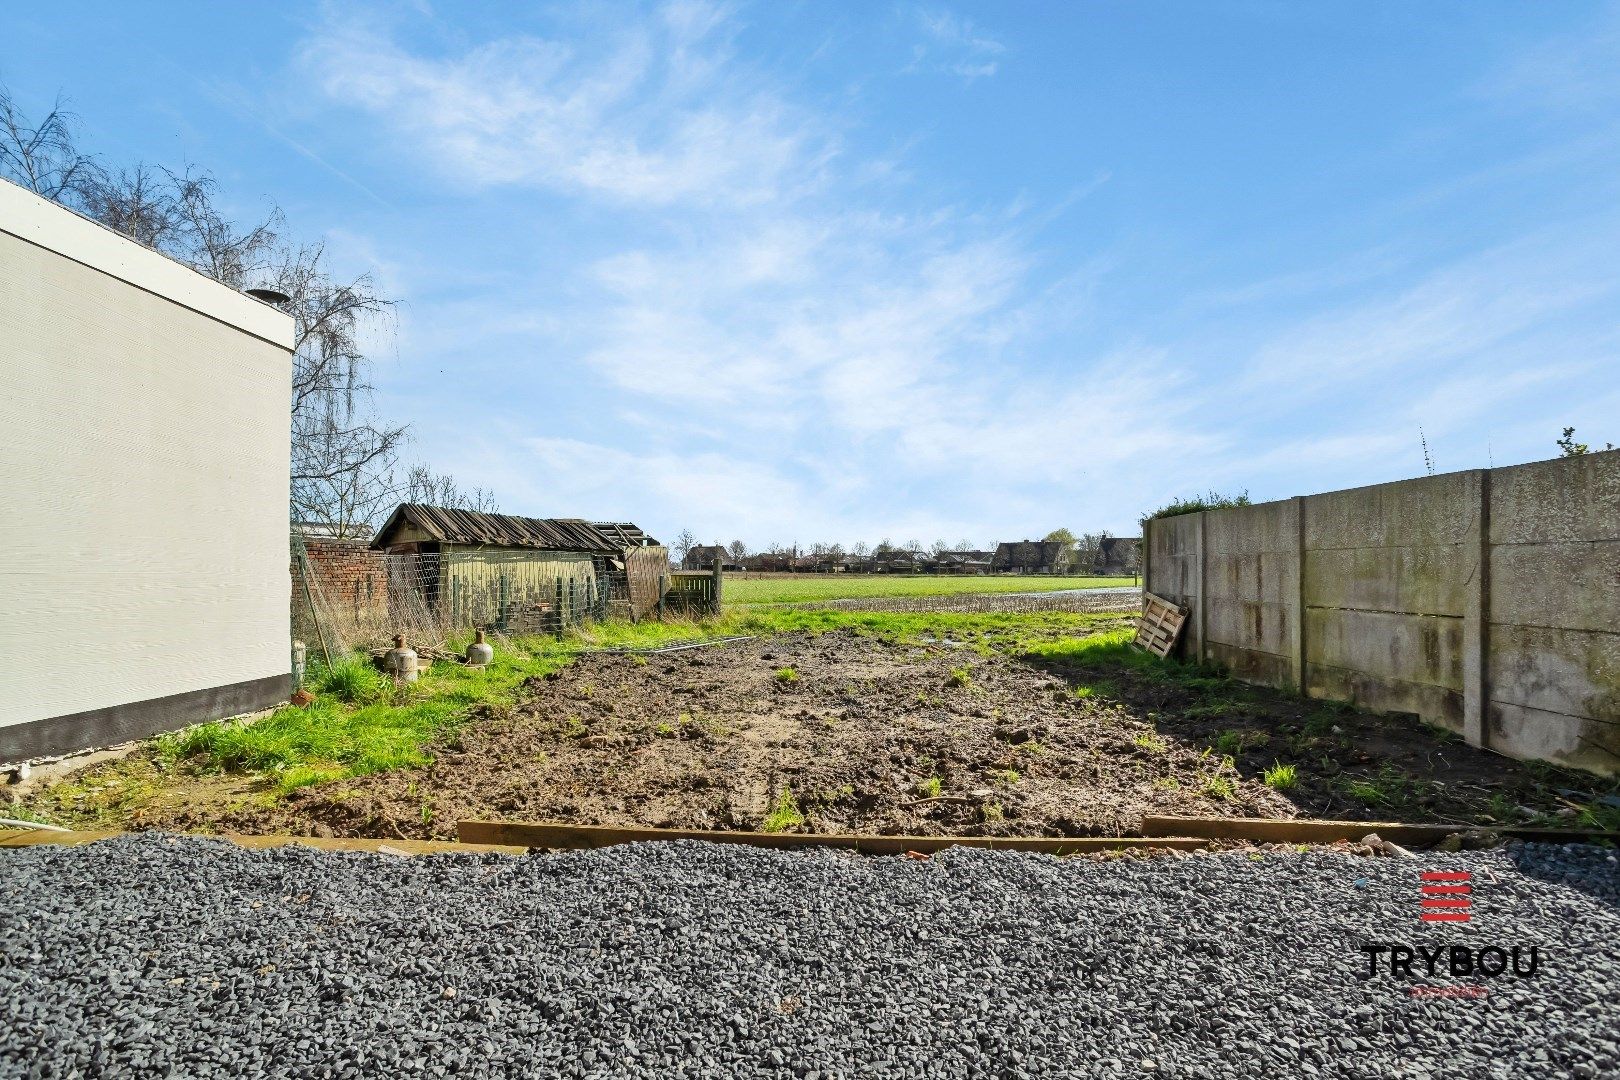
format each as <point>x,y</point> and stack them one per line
<point>1297,597</point>
<point>1203,588</point>
<point>1477,615</point>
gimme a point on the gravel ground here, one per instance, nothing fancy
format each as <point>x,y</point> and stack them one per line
<point>153,955</point>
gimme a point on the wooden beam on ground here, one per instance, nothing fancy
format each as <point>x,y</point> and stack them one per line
<point>34,837</point>
<point>558,835</point>
<point>1308,831</point>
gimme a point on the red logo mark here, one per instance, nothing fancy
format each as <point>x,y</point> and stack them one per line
<point>1446,895</point>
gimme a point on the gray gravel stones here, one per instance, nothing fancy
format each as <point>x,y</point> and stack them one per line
<point>156,955</point>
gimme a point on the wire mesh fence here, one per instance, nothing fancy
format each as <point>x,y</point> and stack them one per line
<point>348,597</point>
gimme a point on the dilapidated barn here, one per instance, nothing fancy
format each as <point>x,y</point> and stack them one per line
<point>516,573</point>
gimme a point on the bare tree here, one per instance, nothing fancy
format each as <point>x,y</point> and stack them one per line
<point>737,550</point>
<point>684,543</point>
<point>860,550</point>
<point>137,202</point>
<point>423,485</point>
<point>42,157</point>
<point>964,545</point>
<point>937,547</point>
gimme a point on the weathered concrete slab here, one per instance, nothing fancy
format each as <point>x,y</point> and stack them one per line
<point>1567,499</point>
<point>1430,580</point>
<point>1574,585</point>
<point>1432,510</point>
<point>1565,671</point>
<point>1247,530</point>
<point>1267,669</point>
<point>1265,575</point>
<point>1436,705</point>
<point>1576,741</point>
<point>1409,648</point>
<point>1251,624</point>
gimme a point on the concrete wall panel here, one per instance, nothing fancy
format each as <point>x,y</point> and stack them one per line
<point>1573,585</point>
<point>1568,671</point>
<point>1433,510</point>
<point>1430,580</point>
<point>1537,734</point>
<point>1409,648</point>
<point>1563,500</point>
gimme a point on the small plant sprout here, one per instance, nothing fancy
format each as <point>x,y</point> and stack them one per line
<point>1219,787</point>
<point>789,674</point>
<point>961,676</point>
<point>784,814</point>
<point>1005,776</point>
<point>1281,777</point>
<point>1152,742</point>
<point>931,787</point>
<point>993,812</point>
<point>1080,693</point>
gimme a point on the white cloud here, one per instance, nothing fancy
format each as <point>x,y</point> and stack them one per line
<point>953,45</point>
<point>652,117</point>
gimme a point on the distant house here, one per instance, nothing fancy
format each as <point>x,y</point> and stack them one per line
<point>704,556</point>
<point>962,562</point>
<point>507,571</point>
<point>1118,556</point>
<point>1028,557</point>
<point>897,561</point>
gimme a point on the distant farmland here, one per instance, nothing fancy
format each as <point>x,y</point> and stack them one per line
<point>812,588</point>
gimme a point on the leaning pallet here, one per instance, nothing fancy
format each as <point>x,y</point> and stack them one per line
<point>1159,625</point>
<point>558,835</point>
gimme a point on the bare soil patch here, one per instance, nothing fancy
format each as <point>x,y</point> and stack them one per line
<point>841,732</point>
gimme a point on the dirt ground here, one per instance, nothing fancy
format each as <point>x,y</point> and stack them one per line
<point>846,733</point>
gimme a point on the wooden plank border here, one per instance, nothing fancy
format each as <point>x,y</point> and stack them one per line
<point>36,837</point>
<point>1309,831</point>
<point>560,835</point>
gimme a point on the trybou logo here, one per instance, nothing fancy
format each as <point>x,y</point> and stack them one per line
<point>1447,896</point>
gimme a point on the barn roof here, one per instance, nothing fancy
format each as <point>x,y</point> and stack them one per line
<point>449,526</point>
<point>625,532</point>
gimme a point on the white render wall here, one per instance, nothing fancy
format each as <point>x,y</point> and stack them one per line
<point>143,462</point>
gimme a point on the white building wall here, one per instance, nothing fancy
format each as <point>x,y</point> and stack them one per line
<point>143,462</point>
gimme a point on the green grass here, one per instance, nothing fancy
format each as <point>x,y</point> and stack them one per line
<point>789,674</point>
<point>931,787</point>
<point>362,723</point>
<point>784,815</point>
<point>813,588</point>
<point>1281,777</point>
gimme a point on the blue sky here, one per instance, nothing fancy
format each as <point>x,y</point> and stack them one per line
<point>838,271</point>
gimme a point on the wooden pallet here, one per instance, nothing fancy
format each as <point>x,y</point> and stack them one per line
<point>1159,626</point>
<point>558,835</point>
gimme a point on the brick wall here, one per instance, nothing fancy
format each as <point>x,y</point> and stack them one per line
<point>348,576</point>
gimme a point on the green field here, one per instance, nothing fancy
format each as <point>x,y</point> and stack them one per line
<point>810,588</point>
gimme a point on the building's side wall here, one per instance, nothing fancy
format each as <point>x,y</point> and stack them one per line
<point>1487,602</point>
<point>144,445</point>
<point>647,573</point>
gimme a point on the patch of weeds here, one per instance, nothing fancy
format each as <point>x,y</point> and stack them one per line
<point>788,674</point>
<point>586,690</point>
<point>1167,783</point>
<point>1502,808</point>
<point>426,812</point>
<point>931,787</point>
<point>353,681</point>
<point>572,728</point>
<point>784,814</point>
<point>1080,693</point>
<point>961,677</point>
<point>926,699</point>
<point>1033,748</point>
<point>1599,816</point>
<point>1281,777</point>
<point>639,661</point>
<point>1385,789</point>
<point>992,812</point>
<point>664,729</point>
<point>1229,742</point>
<point>1152,742</point>
<point>1215,710</point>
<point>1218,787</point>
<point>1005,776</point>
